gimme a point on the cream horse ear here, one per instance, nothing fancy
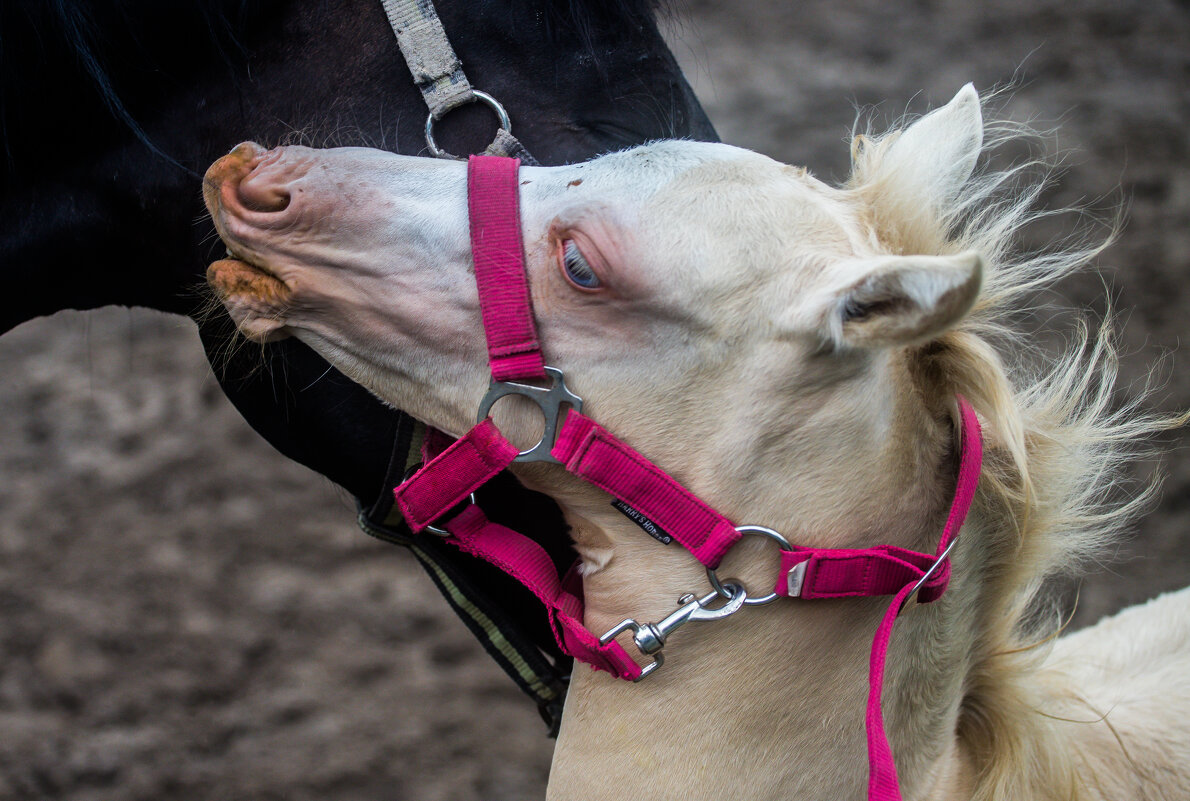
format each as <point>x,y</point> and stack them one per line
<point>935,156</point>
<point>903,300</point>
<point>887,301</point>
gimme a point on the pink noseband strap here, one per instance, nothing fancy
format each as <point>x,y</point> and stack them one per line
<point>493,193</point>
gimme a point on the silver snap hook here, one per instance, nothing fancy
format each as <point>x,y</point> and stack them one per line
<point>650,638</point>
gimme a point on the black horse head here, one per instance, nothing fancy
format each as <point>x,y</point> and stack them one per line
<point>111,110</point>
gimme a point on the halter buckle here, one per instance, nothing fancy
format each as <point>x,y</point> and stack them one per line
<point>930,571</point>
<point>549,399</point>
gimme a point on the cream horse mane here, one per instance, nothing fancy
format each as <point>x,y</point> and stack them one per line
<point>983,700</point>
<point>1060,444</point>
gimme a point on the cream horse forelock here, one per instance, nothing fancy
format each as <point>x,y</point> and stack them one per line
<point>790,351</point>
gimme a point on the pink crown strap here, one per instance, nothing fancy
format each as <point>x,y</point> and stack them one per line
<point>493,191</point>
<point>883,784</point>
<point>970,466</point>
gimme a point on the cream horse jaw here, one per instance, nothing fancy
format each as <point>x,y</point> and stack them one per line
<point>780,689</point>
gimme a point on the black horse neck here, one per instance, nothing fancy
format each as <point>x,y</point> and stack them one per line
<point>112,109</point>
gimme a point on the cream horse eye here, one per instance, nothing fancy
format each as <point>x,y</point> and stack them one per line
<point>575,265</point>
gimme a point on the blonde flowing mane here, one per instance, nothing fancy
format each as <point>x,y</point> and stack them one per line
<point>1059,437</point>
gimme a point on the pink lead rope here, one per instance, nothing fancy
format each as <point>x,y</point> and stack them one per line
<point>592,453</point>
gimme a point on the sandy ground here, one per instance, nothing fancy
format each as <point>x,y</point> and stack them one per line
<point>185,614</point>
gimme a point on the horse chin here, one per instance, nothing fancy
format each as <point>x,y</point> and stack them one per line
<point>256,300</point>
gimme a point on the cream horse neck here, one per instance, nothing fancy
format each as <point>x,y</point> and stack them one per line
<point>769,704</point>
<point>796,672</point>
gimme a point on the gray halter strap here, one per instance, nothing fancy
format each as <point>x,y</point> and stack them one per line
<point>438,73</point>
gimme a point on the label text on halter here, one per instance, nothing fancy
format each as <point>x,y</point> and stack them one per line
<point>646,525</point>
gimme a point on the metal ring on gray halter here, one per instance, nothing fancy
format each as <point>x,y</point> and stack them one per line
<point>483,97</point>
<point>720,587</point>
<point>441,532</point>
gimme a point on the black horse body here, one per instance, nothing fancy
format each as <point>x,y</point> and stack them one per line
<point>112,109</point>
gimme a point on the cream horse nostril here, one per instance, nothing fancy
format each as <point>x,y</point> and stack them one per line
<point>248,151</point>
<point>263,190</point>
<point>247,179</point>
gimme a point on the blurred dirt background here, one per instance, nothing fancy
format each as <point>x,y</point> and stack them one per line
<point>184,614</point>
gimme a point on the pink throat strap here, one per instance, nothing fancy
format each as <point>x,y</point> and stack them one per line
<point>589,451</point>
<point>592,453</point>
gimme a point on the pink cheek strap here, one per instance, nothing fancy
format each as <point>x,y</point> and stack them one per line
<point>591,452</point>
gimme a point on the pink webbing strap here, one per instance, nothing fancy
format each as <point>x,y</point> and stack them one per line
<point>882,771</point>
<point>589,451</point>
<point>883,784</point>
<point>493,200</point>
<point>970,466</point>
<point>847,573</point>
<point>527,562</point>
<point>451,476</point>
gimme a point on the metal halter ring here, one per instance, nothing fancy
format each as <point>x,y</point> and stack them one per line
<point>549,400</point>
<point>713,577</point>
<point>482,97</point>
<point>441,532</point>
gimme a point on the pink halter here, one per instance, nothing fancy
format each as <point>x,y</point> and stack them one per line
<point>642,490</point>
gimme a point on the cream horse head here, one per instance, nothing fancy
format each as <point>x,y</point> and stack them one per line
<point>790,351</point>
